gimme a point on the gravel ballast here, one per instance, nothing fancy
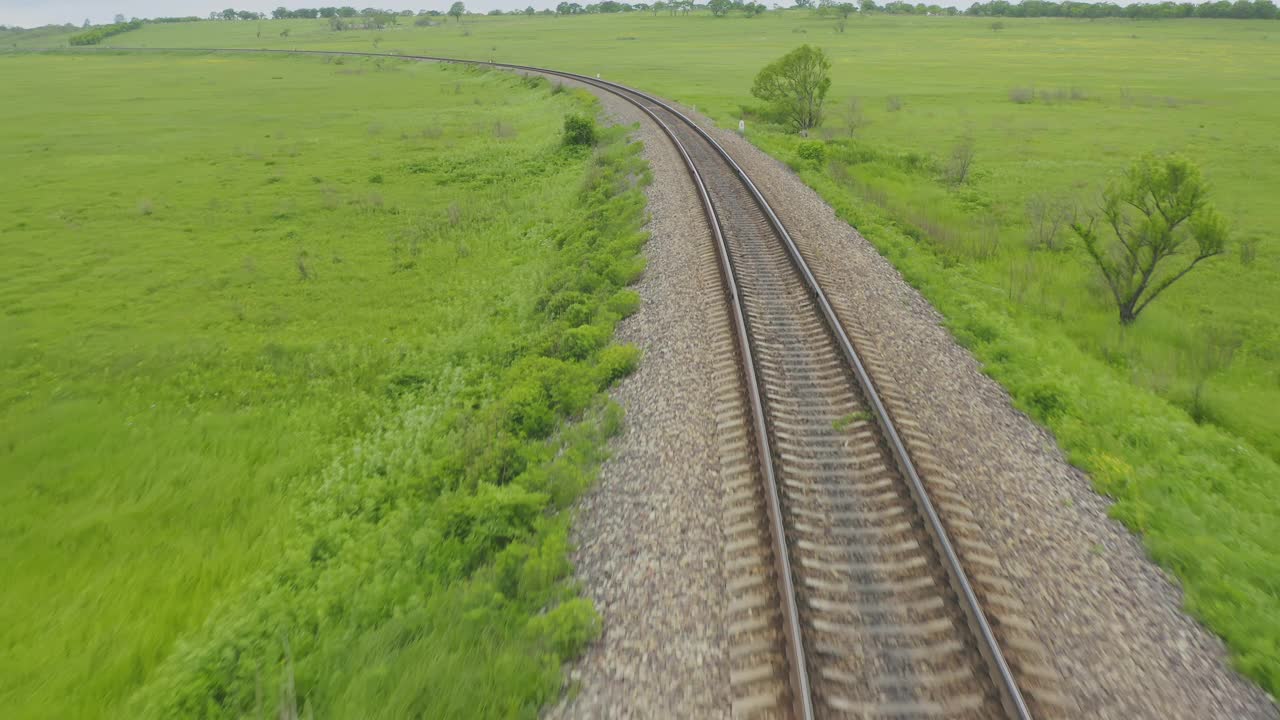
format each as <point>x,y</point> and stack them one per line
<point>648,536</point>
<point>649,544</point>
<point>1111,618</point>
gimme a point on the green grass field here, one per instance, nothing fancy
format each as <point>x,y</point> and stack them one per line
<point>285,351</point>
<point>1200,87</point>
<point>1177,418</point>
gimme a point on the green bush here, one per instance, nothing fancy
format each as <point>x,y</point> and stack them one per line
<point>624,303</point>
<point>580,342</point>
<point>616,362</point>
<point>627,271</point>
<point>562,304</point>
<point>579,130</point>
<point>95,35</point>
<point>472,528</point>
<point>528,410</point>
<point>812,150</point>
<point>569,626</point>
<point>1046,400</point>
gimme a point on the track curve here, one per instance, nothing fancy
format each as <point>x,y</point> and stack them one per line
<point>874,592</point>
<point>856,604</point>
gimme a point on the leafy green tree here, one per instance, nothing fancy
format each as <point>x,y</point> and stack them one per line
<point>1156,211</point>
<point>720,8</point>
<point>795,86</point>
<point>456,10</point>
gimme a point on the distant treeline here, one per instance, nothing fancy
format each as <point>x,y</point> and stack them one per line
<point>348,17</point>
<point>95,35</point>
<point>1240,10</point>
<point>283,13</point>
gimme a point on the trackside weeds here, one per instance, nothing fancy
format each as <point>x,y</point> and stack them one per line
<point>438,541</point>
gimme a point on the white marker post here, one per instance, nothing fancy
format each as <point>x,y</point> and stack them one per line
<point>742,127</point>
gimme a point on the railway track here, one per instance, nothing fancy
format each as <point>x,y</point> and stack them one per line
<point>857,605</point>
<point>850,601</point>
<point>848,597</point>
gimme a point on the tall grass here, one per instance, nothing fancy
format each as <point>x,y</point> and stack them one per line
<point>1202,499</point>
<point>247,448</point>
<point>1214,104</point>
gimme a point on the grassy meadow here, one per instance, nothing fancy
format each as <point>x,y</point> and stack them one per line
<point>1176,417</point>
<point>297,356</point>
<point>1053,108</point>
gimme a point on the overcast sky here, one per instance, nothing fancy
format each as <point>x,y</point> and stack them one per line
<point>32,13</point>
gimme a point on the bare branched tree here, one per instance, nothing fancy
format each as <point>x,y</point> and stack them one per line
<point>1046,218</point>
<point>1210,355</point>
<point>961,160</point>
<point>853,115</point>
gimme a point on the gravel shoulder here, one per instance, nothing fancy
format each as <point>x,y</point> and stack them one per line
<point>648,536</point>
<point>649,544</point>
<point>1111,618</point>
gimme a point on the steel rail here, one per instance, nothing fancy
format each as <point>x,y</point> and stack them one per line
<point>988,645</point>
<point>802,696</point>
<point>1002,676</point>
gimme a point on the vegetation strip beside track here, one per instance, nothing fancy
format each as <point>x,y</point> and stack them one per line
<point>1011,697</point>
<point>1052,107</point>
<point>991,651</point>
<point>1202,500</point>
<point>1199,496</point>
<point>423,439</point>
